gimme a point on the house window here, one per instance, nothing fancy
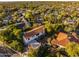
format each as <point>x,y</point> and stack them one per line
<point>37,34</point>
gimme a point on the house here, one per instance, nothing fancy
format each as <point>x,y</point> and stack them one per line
<point>39,20</point>
<point>20,25</point>
<point>9,17</point>
<point>5,22</point>
<point>62,36</point>
<point>33,34</point>
<point>61,40</point>
<point>34,44</point>
<point>69,22</point>
<point>74,38</point>
<point>25,21</point>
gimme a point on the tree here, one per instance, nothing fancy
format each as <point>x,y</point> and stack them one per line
<point>16,32</point>
<point>13,37</point>
<point>48,26</point>
<point>28,15</point>
<point>72,49</point>
<point>16,45</point>
<point>32,52</point>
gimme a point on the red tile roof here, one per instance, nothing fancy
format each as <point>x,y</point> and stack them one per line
<point>62,39</point>
<point>63,42</point>
<point>62,36</point>
<point>34,31</point>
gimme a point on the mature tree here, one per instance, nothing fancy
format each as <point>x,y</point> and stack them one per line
<point>72,49</point>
